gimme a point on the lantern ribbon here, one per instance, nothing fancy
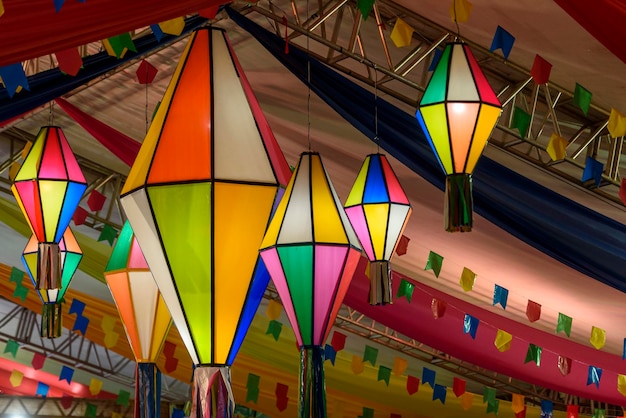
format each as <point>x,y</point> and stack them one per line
<point>213,394</point>
<point>312,388</point>
<point>148,391</point>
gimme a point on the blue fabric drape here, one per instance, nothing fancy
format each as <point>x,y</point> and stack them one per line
<point>48,85</point>
<point>561,228</point>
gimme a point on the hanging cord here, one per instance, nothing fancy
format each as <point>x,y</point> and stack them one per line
<point>458,30</point>
<point>51,113</point>
<point>376,138</point>
<point>308,82</point>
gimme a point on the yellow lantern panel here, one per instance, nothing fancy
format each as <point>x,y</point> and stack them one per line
<point>487,119</point>
<point>434,117</point>
<point>377,216</point>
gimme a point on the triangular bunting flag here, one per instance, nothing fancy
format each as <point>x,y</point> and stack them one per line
<point>621,384</point>
<point>174,26</point>
<point>489,395</point>
<point>365,6</point>
<point>399,366</point>
<point>547,408</point>
<point>370,355</point>
<point>572,411</point>
<point>493,407</point>
<point>14,77</point>
<point>412,384</point>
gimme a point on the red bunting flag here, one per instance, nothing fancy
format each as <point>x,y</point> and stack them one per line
<point>171,362</point>
<point>38,360</point>
<point>281,396</point>
<point>540,70</point>
<point>403,245</point>
<point>96,201</point>
<point>338,341</point>
<point>458,386</point>
<point>521,414</point>
<point>533,311</point>
<point>622,191</point>
<point>565,365</point>
<point>67,401</point>
<point>412,384</point>
<point>209,12</point>
<point>70,61</point>
<point>438,307</point>
<point>80,216</point>
<point>146,72</point>
<point>572,411</point>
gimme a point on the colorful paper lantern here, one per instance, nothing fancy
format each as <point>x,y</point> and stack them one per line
<point>458,112</point>
<point>378,210</point>
<point>311,252</point>
<point>144,315</point>
<point>51,295</point>
<point>48,188</point>
<point>199,198</point>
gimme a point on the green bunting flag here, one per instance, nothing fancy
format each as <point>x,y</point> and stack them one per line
<point>493,407</point>
<point>108,234</point>
<point>405,289</point>
<point>91,410</point>
<point>365,7</point>
<point>520,121</point>
<point>582,98</point>
<point>274,328</point>
<point>533,354</point>
<point>489,395</point>
<point>564,324</point>
<point>20,292</point>
<point>11,347</point>
<point>253,388</point>
<point>122,398</point>
<point>384,373</point>
<point>599,413</point>
<point>367,413</point>
<point>17,275</point>
<point>370,354</point>
<point>121,43</point>
<point>434,263</point>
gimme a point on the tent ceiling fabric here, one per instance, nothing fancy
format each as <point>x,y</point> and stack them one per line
<point>32,29</point>
<point>493,254</point>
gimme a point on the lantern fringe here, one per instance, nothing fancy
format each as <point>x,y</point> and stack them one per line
<point>312,396</point>
<point>51,320</point>
<point>148,391</point>
<point>48,266</point>
<point>212,393</point>
<point>380,283</point>
<point>459,203</point>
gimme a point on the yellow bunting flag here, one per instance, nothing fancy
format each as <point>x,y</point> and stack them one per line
<point>503,341</point>
<point>621,384</point>
<point>598,337</point>
<point>460,10</point>
<point>95,386</point>
<point>402,33</point>
<point>274,308</point>
<point>517,403</point>
<point>173,27</point>
<point>16,378</point>
<point>468,277</point>
<point>467,400</point>
<point>399,366</point>
<point>617,124</point>
<point>556,147</point>
<point>110,336</point>
<point>116,415</point>
<point>357,365</point>
<point>26,148</point>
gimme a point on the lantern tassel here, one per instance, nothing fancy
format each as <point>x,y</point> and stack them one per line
<point>213,394</point>
<point>459,203</point>
<point>148,391</point>
<point>312,402</point>
<point>48,266</point>
<point>51,320</point>
<point>380,283</point>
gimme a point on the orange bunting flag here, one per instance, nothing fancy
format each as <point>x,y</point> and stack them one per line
<point>503,341</point>
<point>556,147</point>
<point>460,10</point>
<point>358,365</point>
<point>621,384</point>
<point>467,400</point>
<point>617,124</point>
<point>173,27</point>
<point>110,336</point>
<point>15,167</point>
<point>598,337</point>
<point>399,366</point>
<point>468,277</point>
<point>517,403</point>
<point>1,8</point>
<point>402,33</point>
<point>274,308</point>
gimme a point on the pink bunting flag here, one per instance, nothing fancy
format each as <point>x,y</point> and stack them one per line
<point>70,61</point>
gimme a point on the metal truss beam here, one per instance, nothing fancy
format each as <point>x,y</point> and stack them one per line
<point>75,350</point>
<point>337,31</point>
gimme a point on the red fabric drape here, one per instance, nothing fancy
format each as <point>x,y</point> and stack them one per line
<point>603,19</point>
<point>415,320</point>
<point>32,28</point>
<point>123,147</point>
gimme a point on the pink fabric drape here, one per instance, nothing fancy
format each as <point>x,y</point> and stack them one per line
<point>123,147</point>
